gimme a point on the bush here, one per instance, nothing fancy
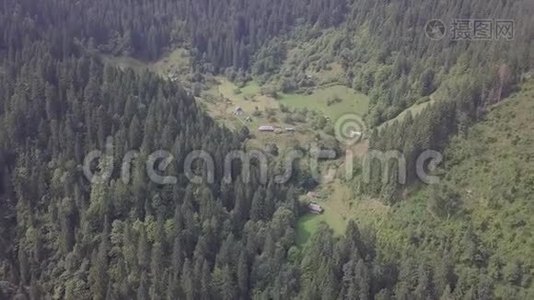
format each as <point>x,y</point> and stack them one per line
<point>287,85</point>
<point>271,112</point>
<point>272,149</point>
<point>288,119</point>
<point>256,113</point>
<point>299,117</point>
<point>269,91</point>
<point>333,100</point>
<point>197,89</point>
<point>319,123</point>
<point>329,129</point>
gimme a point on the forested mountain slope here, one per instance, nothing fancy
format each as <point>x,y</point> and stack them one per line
<point>480,214</point>
<point>65,237</point>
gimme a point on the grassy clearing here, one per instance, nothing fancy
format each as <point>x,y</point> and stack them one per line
<point>335,202</point>
<point>247,97</point>
<point>414,110</point>
<point>177,61</point>
<point>341,205</point>
<point>440,94</point>
<point>309,223</point>
<point>350,101</point>
<point>224,97</point>
<point>228,97</point>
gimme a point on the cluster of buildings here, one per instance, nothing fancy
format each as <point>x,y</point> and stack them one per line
<point>269,128</point>
<point>238,111</point>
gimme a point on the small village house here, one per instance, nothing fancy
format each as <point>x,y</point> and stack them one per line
<point>315,208</point>
<point>266,128</point>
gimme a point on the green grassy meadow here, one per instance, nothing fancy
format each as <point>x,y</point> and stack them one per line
<point>351,101</point>
<point>308,223</point>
